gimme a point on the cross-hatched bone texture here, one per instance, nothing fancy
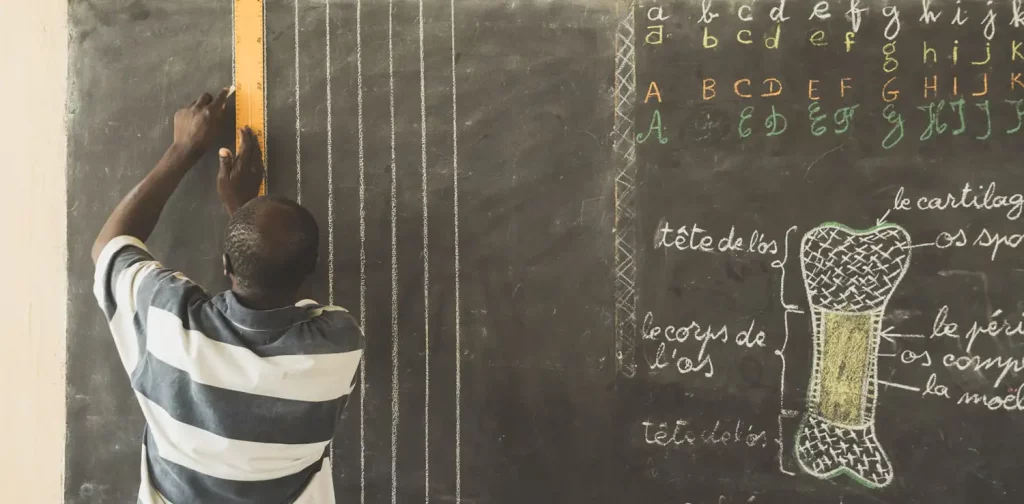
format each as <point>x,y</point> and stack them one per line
<point>853,272</point>
<point>825,450</point>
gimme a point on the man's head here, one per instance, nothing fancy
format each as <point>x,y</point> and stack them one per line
<point>271,246</point>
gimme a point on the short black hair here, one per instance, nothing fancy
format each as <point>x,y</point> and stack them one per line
<point>272,244</point>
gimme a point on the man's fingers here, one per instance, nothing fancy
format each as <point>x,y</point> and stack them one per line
<point>204,100</point>
<point>245,146</point>
<point>254,151</point>
<point>226,161</point>
<point>221,101</point>
<point>246,140</point>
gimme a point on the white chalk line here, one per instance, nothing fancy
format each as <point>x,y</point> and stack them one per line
<point>830,151</point>
<point>362,251</point>
<point>330,177</point>
<point>892,337</point>
<point>899,386</point>
<point>458,322</point>
<point>330,163</point>
<point>266,111</point>
<point>394,263</point>
<point>298,114</point>
<point>426,272</point>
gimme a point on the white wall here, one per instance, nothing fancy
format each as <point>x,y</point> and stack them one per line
<point>33,297</point>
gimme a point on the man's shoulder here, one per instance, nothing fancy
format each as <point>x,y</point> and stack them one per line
<point>335,324</point>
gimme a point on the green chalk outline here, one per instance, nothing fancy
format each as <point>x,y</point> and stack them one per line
<point>844,227</point>
<point>840,471</point>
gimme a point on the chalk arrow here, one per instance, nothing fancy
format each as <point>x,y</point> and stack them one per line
<point>917,245</point>
<point>881,220</point>
<point>888,333</point>
<point>899,386</point>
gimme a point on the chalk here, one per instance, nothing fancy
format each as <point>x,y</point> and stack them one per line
<point>362,249</point>
<point>298,113</point>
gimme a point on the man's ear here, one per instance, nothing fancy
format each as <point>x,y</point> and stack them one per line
<point>227,266</point>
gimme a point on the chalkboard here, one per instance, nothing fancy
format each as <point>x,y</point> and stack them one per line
<point>700,251</point>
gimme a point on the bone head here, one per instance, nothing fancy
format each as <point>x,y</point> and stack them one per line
<point>851,270</point>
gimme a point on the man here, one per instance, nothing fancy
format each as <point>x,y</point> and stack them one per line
<point>241,391</point>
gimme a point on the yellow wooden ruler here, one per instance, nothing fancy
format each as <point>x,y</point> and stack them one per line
<point>250,74</point>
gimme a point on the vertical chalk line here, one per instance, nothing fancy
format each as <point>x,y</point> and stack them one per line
<point>330,164</point>
<point>330,178</point>
<point>426,272</point>
<point>394,262</point>
<point>624,228</point>
<point>362,251</point>
<point>266,111</point>
<point>458,326</point>
<point>298,116</point>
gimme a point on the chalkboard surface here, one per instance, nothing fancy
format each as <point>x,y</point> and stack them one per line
<point>699,251</point>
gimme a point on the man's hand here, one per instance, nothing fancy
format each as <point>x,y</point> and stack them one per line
<point>197,124</point>
<point>239,178</point>
<point>137,213</point>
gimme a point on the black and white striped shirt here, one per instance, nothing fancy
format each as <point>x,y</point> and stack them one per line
<point>240,404</point>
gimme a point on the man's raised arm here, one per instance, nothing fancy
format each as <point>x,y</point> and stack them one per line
<point>137,214</point>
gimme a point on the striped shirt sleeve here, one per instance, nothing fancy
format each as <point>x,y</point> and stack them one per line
<point>127,279</point>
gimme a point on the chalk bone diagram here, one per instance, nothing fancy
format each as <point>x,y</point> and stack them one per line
<point>849,276</point>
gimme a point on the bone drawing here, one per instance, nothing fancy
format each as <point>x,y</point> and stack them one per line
<point>849,276</point>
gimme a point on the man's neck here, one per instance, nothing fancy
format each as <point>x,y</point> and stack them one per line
<point>264,301</point>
